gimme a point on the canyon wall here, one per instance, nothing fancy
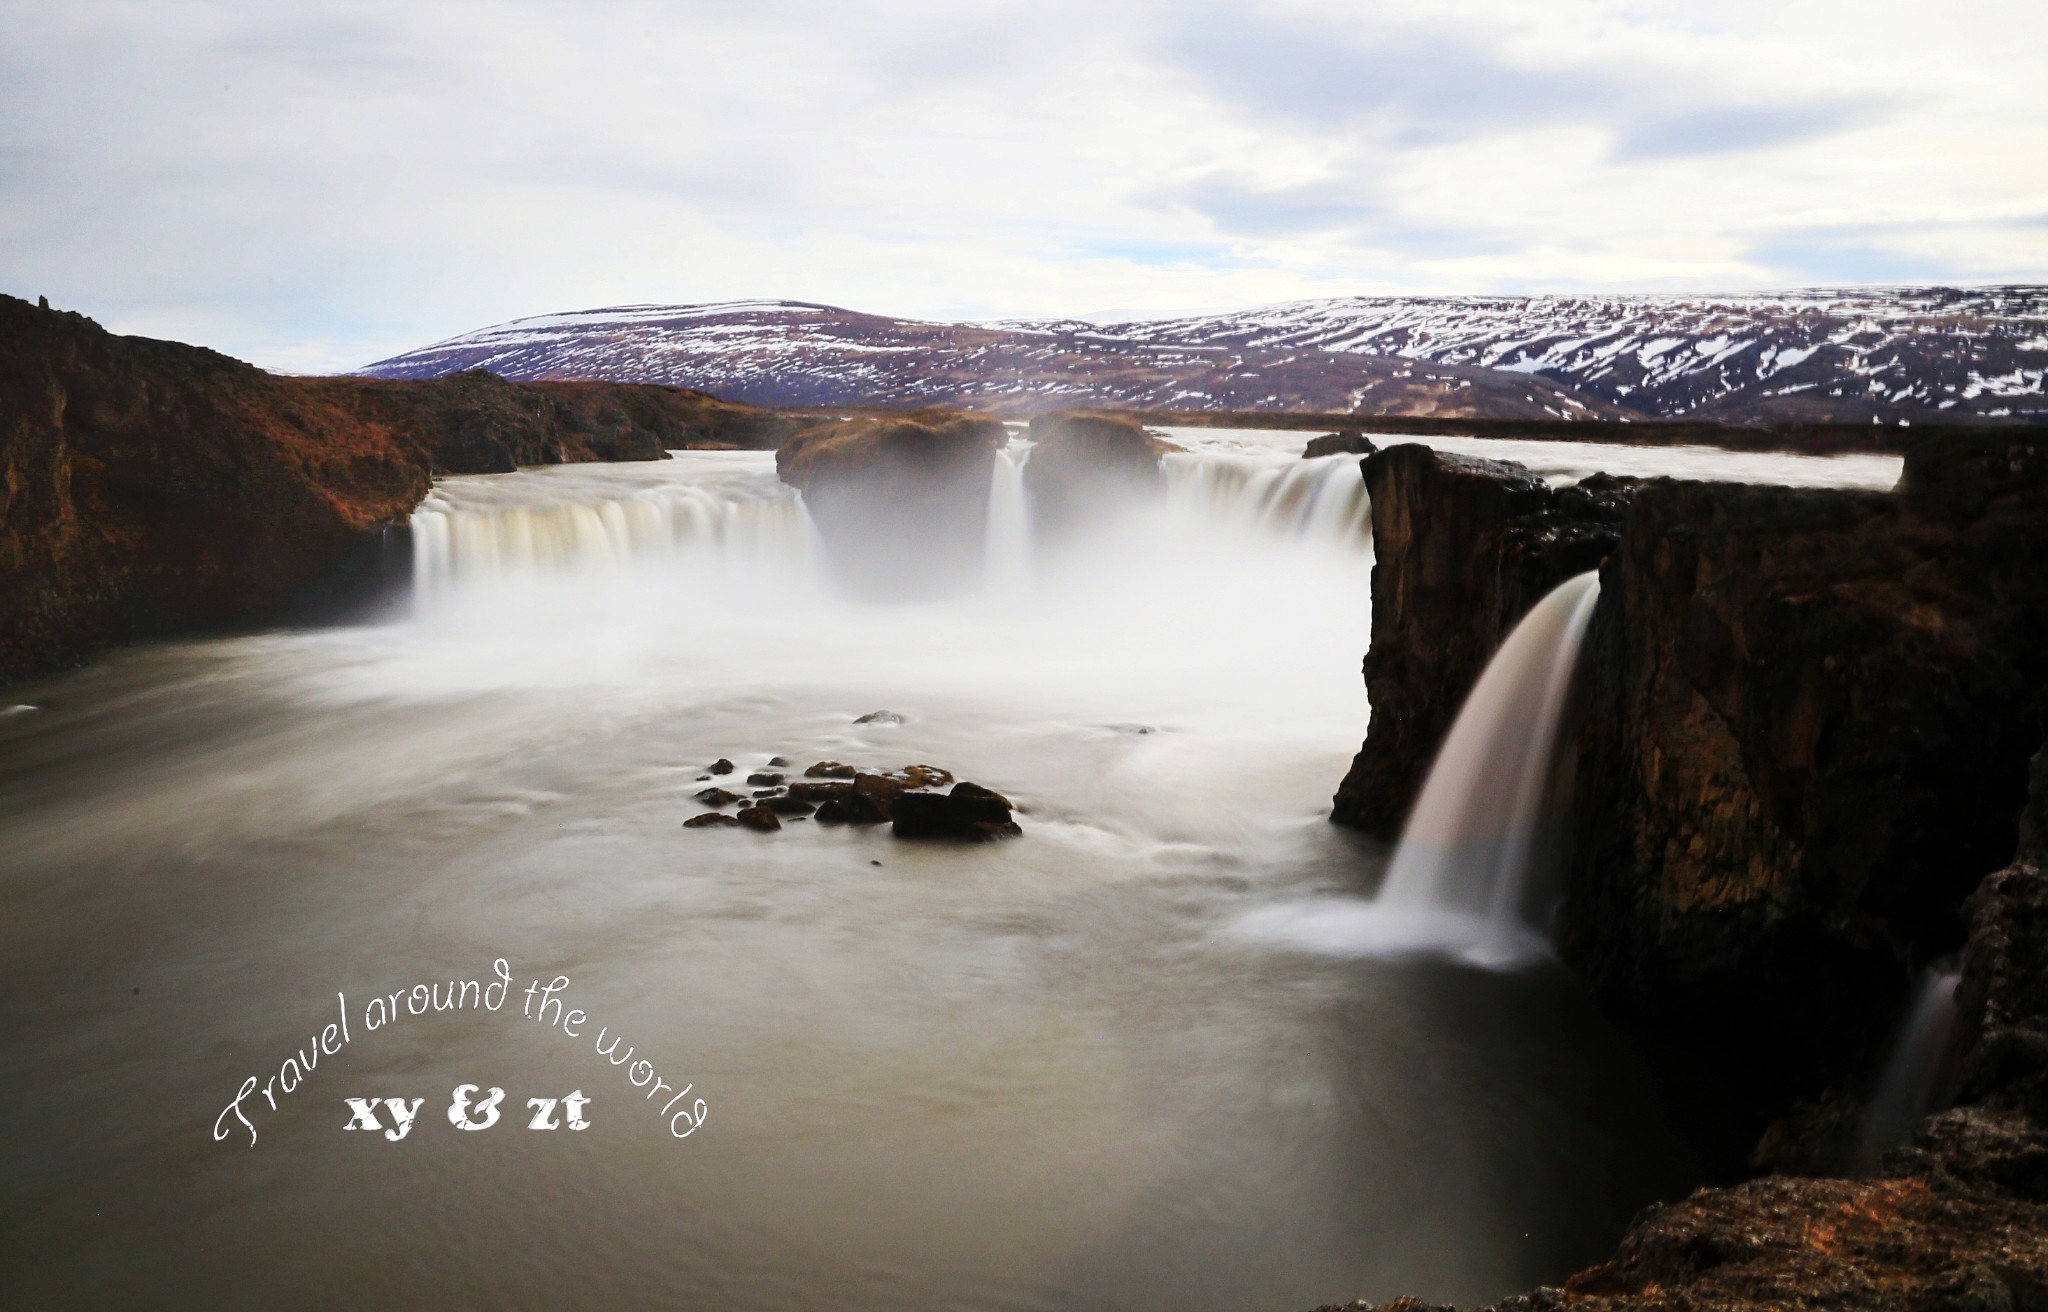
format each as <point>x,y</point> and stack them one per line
<point>1805,724</point>
<point>152,488</point>
<point>1798,772</point>
<point>1800,723</point>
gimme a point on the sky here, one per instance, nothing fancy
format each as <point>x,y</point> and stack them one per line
<point>314,185</point>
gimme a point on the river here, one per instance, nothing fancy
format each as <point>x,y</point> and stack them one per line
<point>1057,1072</point>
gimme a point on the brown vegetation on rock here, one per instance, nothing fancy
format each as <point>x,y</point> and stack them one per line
<point>902,503</point>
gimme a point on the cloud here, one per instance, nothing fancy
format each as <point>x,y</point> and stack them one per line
<point>328,182</point>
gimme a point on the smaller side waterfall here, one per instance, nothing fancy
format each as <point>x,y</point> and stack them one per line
<point>1458,884</point>
<point>1466,848</point>
<point>1913,1073</point>
<point>1008,554</point>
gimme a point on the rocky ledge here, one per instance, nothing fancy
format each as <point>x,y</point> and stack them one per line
<point>1796,771</point>
<point>1086,467</point>
<point>151,488</point>
<point>901,501</point>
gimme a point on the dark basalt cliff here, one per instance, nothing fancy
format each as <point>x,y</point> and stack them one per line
<point>1807,721</point>
<point>1462,549</point>
<point>152,488</point>
<point>902,503</point>
<point>1797,756</point>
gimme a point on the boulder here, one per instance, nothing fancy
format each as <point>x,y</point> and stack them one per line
<point>830,770</point>
<point>1085,468</point>
<point>760,818</point>
<point>968,812</point>
<point>901,503</point>
<point>710,820</point>
<point>879,717</point>
<point>764,779</point>
<point>717,797</point>
<point>720,766</point>
<point>1339,444</point>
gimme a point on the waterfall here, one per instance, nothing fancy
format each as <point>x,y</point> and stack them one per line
<point>1913,1073</point>
<point>1008,554</point>
<point>1466,847</point>
<point>596,521</point>
<point>1322,498</point>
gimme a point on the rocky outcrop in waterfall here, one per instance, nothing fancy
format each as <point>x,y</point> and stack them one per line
<point>1083,467</point>
<point>901,502</point>
<point>149,487</point>
<point>1462,549</point>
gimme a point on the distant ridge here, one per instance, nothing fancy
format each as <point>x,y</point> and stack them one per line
<point>1885,355</point>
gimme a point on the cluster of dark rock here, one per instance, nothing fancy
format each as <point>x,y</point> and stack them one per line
<point>909,800</point>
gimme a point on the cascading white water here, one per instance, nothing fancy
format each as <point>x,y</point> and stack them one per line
<point>1008,554</point>
<point>1912,1074</point>
<point>1467,845</point>
<point>1322,498</point>
<point>595,520</point>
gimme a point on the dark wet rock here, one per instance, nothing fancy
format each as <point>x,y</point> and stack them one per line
<point>1339,444</point>
<point>870,800</point>
<point>925,776</point>
<point>968,812</point>
<point>717,797</point>
<point>1087,467</point>
<point>759,817</point>
<point>1463,548</point>
<point>710,820</point>
<point>823,792</point>
<point>880,717</point>
<point>777,762</point>
<point>769,792</point>
<point>789,806</point>
<point>720,766</point>
<point>901,502</point>
<point>764,779</point>
<point>830,770</point>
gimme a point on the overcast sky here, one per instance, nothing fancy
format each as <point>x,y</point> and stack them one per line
<point>315,184</point>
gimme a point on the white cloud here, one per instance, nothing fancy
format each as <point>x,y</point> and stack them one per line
<point>316,185</point>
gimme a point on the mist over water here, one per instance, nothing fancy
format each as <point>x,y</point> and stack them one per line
<point>1054,1072</point>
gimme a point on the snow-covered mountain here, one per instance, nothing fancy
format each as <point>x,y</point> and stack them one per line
<point>1885,354</point>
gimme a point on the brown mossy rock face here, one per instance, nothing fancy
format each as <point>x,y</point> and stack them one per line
<point>901,503</point>
<point>1806,722</point>
<point>155,488</point>
<point>1855,1245</point>
<point>1083,468</point>
<point>1463,548</point>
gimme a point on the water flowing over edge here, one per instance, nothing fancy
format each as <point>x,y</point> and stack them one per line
<point>1459,880</point>
<point>1913,1073</point>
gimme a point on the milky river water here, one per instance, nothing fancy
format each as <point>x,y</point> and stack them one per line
<point>1050,1073</point>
